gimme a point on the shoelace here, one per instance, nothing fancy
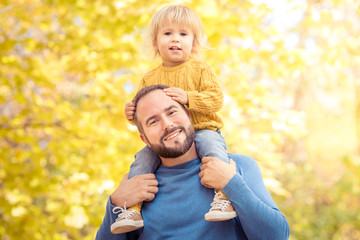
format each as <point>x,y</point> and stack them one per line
<point>219,203</point>
<point>124,212</point>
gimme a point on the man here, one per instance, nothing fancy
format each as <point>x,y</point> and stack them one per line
<point>169,212</point>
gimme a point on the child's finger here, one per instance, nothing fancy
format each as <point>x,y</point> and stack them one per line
<point>170,94</point>
<point>171,90</point>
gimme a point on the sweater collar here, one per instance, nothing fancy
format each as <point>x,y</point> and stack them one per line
<point>170,69</point>
<point>185,165</point>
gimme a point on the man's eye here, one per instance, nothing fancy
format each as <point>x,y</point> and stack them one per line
<point>152,122</point>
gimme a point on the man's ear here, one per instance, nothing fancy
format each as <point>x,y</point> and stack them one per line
<point>143,138</point>
<point>188,113</point>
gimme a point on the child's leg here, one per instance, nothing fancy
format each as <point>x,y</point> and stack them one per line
<point>146,161</point>
<point>129,219</point>
<point>211,144</point>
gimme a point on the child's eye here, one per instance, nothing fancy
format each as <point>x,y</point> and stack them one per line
<point>183,34</point>
<point>167,33</point>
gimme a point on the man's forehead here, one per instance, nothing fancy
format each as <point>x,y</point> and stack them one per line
<point>156,96</point>
<point>155,101</point>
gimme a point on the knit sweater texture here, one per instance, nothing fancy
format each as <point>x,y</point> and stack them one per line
<point>204,92</point>
<point>178,209</point>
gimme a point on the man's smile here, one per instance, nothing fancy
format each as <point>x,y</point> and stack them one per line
<point>172,135</point>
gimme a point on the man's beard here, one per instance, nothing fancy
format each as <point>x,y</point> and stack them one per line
<point>174,152</point>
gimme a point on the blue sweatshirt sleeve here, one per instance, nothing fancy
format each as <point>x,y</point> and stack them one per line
<point>104,232</point>
<point>257,212</point>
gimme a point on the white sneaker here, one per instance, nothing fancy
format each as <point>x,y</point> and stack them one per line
<point>128,220</point>
<point>221,209</point>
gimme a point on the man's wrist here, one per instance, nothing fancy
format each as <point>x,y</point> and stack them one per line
<point>115,201</point>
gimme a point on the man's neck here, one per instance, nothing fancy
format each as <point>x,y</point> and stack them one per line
<point>188,156</point>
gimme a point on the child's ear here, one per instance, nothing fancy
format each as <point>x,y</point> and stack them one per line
<point>155,45</point>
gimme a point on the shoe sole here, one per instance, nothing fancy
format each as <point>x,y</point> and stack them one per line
<point>126,226</point>
<point>216,217</point>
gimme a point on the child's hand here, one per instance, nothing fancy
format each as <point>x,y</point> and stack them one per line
<point>129,110</point>
<point>177,94</point>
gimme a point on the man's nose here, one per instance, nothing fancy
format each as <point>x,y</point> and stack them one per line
<point>168,124</point>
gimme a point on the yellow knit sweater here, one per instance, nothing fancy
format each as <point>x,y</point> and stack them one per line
<point>198,79</point>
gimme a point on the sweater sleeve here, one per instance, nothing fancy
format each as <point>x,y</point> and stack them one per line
<point>257,212</point>
<point>141,84</point>
<point>104,232</point>
<point>209,98</point>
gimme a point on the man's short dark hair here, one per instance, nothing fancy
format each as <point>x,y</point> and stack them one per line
<point>142,93</point>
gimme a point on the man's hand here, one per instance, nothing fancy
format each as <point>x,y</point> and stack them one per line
<point>215,173</point>
<point>177,94</point>
<point>137,189</point>
<point>129,110</point>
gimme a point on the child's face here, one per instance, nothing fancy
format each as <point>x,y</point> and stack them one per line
<point>174,43</point>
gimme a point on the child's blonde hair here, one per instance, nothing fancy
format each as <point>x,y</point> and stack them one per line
<point>178,14</point>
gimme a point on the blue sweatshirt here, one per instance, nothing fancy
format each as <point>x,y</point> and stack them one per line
<point>178,209</point>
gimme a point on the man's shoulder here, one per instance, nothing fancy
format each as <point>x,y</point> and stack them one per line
<point>240,157</point>
<point>243,160</point>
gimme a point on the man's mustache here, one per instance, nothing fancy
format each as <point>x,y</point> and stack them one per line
<point>167,132</point>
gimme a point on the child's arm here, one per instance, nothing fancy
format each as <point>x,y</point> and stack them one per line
<point>209,95</point>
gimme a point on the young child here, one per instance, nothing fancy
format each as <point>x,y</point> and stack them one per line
<point>177,35</point>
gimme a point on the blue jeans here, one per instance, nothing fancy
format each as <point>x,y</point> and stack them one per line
<point>208,144</point>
